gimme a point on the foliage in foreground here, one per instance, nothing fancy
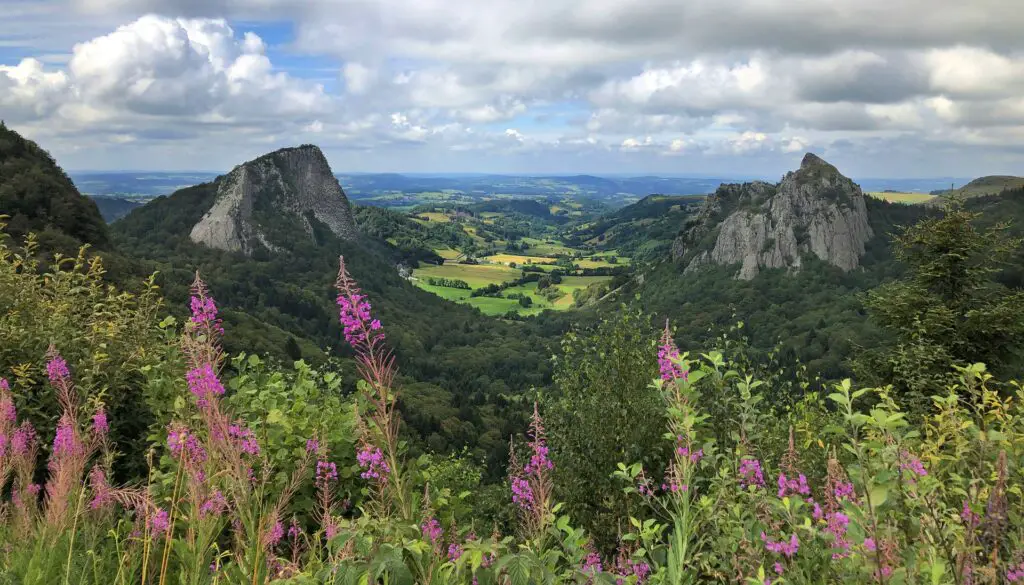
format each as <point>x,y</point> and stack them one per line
<point>858,496</point>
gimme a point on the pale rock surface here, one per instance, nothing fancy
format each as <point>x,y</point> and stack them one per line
<point>759,225</point>
<point>291,181</point>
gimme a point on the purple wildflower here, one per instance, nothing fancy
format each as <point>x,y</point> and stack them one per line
<point>204,310</point>
<point>99,422</point>
<point>294,531</point>
<point>836,525</point>
<point>372,461</point>
<point>356,319</point>
<point>432,530</point>
<point>204,384</point>
<point>793,486</point>
<point>843,490</point>
<point>788,549</point>
<point>215,505</point>
<point>23,439</point>
<point>8,412</point>
<point>970,518</point>
<point>245,439</point>
<point>326,472</point>
<point>592,564</point>
<point>668,355</point>
<point>57,370</point>
<point>65,442</point>
<point>522,493</point>
<point>312,446</point>
<point>1015,573</point>
<point>102,495</point>
<point>750,473</point>
<point>869,544</point>
<point>454,552</point>
<point>160,521</point>
<point>275,534</point>
<point>779,569</point>
<point>913,464</point>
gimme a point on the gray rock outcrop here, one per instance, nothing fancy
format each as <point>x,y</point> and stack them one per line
<point>759,225</point>
<point>296,183</point>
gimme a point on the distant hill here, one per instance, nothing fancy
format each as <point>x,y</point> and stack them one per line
<point>643,231</point>
<point>39,197</point>
<point>982,186</point>
<point>114,208</point>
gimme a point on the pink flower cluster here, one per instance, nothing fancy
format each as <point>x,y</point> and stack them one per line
<point>184,445</point>
<point>160,521</point>
<point>796,486</point>
<point>57,370</point>
<point>788,549</point>
<point>275,534</point>
<point>23,439</point>
<point>65,441</point>
<point>326,472</point>
<point>592,563</point>
<point>100,425</point>
<point>522,493</point>
<point>356,319</point>
<point>372,461</point>
<point>215,505</point>
<point>431,529</point>
<point>668,355</point>
<point>539,458</point>
<point>244,439</point>
<point>8,412</point>
<point>1015,573</point>
<point>204,384</point>
<point>102,494</point>
<point>694,457</point>
<point>454,552</point>
<point>204,311</point>
<point>750,473</point>
<point>843,490</point>
<point>912,464</point>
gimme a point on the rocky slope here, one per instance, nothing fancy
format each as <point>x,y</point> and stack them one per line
<point>293,184</point>
<point>759,225</point>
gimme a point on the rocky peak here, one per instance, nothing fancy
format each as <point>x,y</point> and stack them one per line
<point>814,209</point>
<point>287,186</point>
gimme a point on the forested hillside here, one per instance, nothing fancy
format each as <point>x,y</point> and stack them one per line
<point>37,196</point>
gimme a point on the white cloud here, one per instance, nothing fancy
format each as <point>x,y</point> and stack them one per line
<point>762,79</point>
<point>28,91</point>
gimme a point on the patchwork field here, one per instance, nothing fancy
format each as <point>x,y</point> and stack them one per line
<point>519,259</point>
<point>481,275</point>
<point>908,198</point>
<point>475,275</point>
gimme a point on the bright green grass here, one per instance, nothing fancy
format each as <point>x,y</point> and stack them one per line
<point>451,294</point>
<point>448,253</point>
<point>908,198</point>
<point>476,275</point>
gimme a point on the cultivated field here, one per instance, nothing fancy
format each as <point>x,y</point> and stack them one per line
<point>908,198</point>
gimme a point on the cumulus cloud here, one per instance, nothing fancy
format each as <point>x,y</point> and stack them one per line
<point>28,91</point>
<point>758,79</point>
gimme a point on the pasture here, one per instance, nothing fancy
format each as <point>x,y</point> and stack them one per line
<point>907,198</point>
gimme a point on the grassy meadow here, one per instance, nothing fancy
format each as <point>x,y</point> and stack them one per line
<point>907,198</point>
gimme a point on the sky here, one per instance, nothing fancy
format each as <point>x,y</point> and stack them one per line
<point>881,88</point>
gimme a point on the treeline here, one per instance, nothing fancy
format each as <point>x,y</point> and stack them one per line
<point>448,282</point>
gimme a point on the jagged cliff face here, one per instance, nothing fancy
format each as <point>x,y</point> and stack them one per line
<point>759,225</point>
<point>294,183</point>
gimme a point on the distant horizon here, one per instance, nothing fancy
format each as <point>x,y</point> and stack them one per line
<point>456,174</point>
